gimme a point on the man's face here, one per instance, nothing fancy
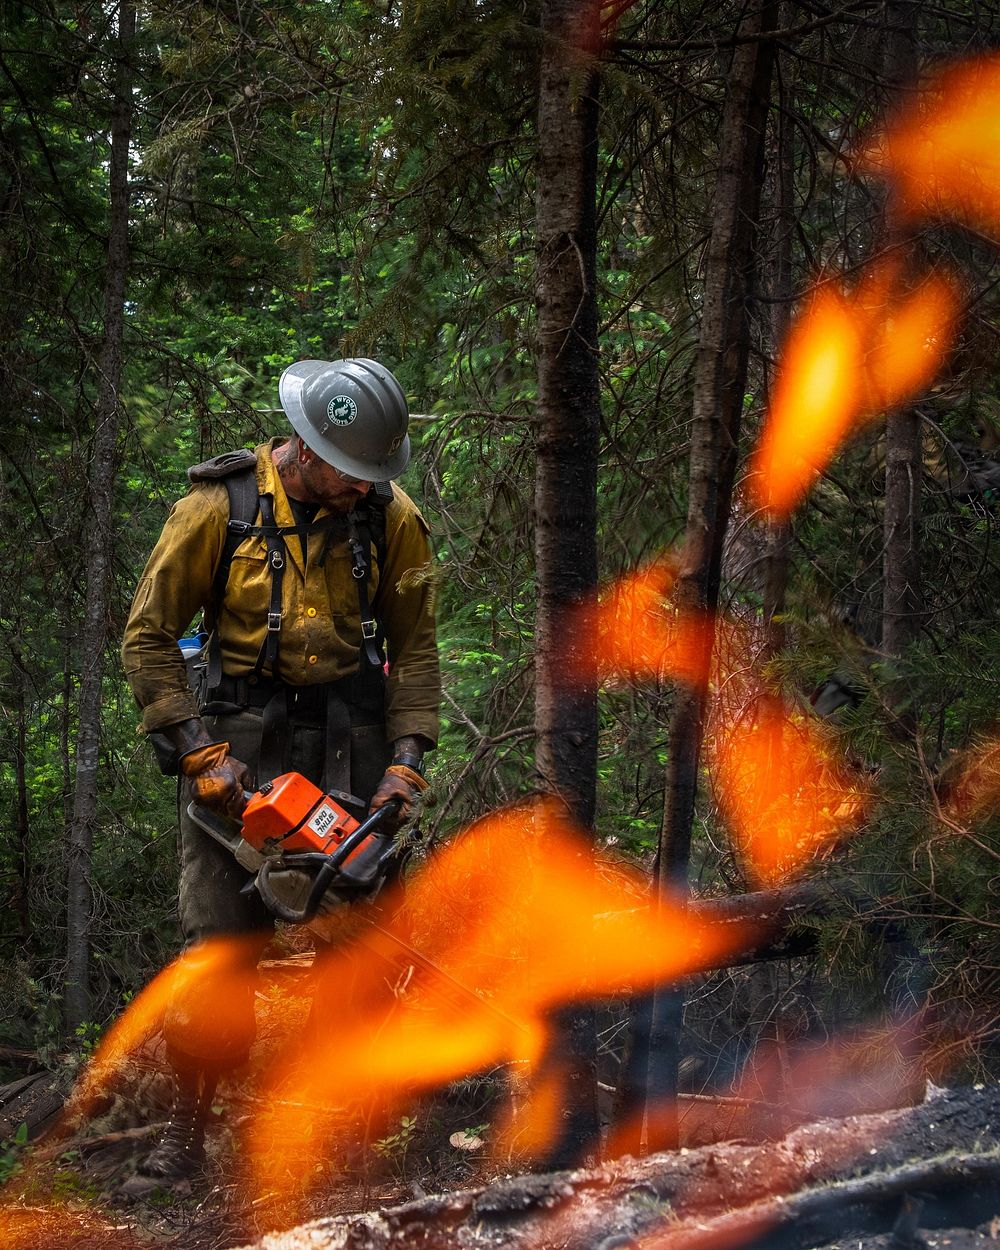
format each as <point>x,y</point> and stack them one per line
<point>326,486</point>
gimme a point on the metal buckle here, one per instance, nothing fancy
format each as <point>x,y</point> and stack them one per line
<point>273,622</point>
<point>368,628</point>
<point>277,560</point>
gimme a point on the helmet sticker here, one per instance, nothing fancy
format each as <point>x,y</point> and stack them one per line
<point>342,410</point>
<point>395,445</point>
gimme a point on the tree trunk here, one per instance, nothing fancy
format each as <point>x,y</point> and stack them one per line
<point>566,466</point>
<point>98,544</point>
<point>779,532</point>
<point>21,893</point>
<point>901,595</point>
<point>719,386</point>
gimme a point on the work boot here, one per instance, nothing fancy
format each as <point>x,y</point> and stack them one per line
<point>180,1152</point>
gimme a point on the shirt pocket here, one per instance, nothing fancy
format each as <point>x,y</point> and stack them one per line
<point>340,587</point>
<point>247,598</point>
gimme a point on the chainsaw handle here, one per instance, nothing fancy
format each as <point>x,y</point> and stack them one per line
<point>329,868</point>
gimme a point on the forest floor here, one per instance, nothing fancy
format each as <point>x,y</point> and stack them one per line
<point>925,1176</point>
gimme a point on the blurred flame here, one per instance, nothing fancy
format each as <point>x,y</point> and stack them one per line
<point>864,1070</point>
<point>816,399</point>
<point>847,357</point>
<point>210,986</point>
<point>941,152</point>
<point>908,330</point>
<point>633,633</point>
<point>973,784</point>
<point>517,910</point>
<point>782,789</point>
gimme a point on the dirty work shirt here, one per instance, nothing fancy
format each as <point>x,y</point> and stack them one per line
<point>321,621</point>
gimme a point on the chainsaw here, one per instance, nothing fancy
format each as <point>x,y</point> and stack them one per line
<point>302,842</point>
<point>289,828</point>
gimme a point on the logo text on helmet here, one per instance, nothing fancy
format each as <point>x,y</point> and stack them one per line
<point>342,410</point>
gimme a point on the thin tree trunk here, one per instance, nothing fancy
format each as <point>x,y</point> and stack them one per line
<point>779,532</point>
<point>98,545</point>
<point>20,900</point>
<point>901,594</point>
<point>719,386</point>
<point>566,468</point>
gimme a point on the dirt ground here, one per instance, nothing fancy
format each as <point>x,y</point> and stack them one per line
<point>927,1176</point>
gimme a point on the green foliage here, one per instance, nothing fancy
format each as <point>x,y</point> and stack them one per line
<point>12,1154</point>
<point>394,1146</point>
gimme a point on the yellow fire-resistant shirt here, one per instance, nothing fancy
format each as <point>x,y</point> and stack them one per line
<point>321,622</point>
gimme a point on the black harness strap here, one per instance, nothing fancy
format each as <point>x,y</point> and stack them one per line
<point>241,488</point>
<point>276,558</point>
<point>365,531</point>
<point>357,534</point>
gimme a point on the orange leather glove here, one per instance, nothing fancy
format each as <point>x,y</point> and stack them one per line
<point>218,780</point>
<point>402,783</point>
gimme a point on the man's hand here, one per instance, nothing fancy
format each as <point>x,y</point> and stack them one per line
<point>402,783</point>
<point>218,779</point>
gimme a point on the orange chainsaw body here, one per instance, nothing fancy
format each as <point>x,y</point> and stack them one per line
<point>291,814</point>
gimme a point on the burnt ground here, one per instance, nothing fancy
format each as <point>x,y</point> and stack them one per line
<point>925,1176</point>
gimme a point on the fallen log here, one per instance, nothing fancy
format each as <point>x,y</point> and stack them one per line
<point>952,1189</point>
<point>16,1055</point>
<point>770,922</point>
<point>822,1181</point>
<point>33,1100</point>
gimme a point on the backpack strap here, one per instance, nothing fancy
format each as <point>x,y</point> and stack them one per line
<point>366,536</point>
<point>238,470</point>
<point>366,539</point>
<point>274,536</point>
<point>243,507</point>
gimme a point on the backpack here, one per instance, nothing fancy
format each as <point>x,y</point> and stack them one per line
<point>365,532</point>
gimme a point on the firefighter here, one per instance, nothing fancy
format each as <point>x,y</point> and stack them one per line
<point>313,572</point>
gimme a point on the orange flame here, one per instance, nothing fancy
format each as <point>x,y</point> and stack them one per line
<point>973,788</point>
<point>208,991</point>
<point>942,151</point>
<point>815,401</point>
<point>516,910</point>
<point>848,357</point>
<point>782,790</point>
<point>633,633</point>
<point>869,1069</point>
<point>908,332</point>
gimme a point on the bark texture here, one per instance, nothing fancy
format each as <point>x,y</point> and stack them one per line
<point>98,544</point>
<point>779,532</point>
<point>813,1187</point>
<point>568,398</point>
<point>719,386</point>
<point>901,594</point>
<point>568,423</point>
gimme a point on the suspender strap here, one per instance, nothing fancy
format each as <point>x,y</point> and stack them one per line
<point>275,737</point>
<point>276,556</point>
<point>365,531</point>
<point>359,542</point>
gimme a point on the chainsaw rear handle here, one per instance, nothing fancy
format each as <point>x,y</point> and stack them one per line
<point>329,868</point>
